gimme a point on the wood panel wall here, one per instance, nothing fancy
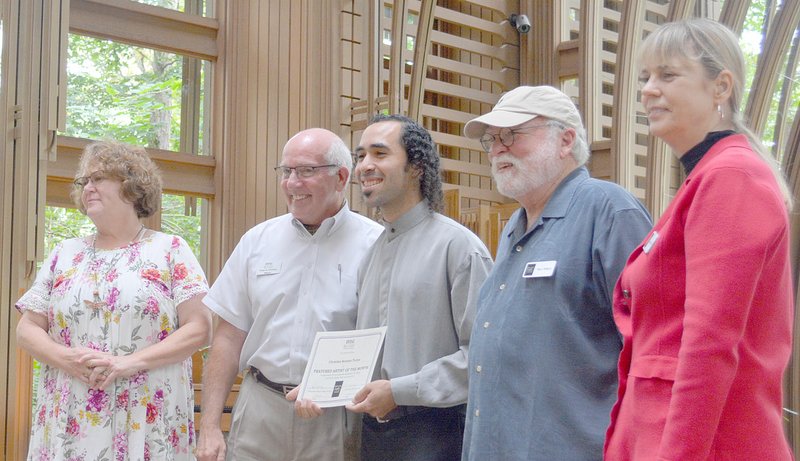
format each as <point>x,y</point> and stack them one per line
<point>281,74</point>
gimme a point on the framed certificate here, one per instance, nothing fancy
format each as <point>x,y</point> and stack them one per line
<point>340,364</point>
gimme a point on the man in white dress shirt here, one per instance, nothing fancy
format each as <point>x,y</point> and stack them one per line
<point>288,278</point>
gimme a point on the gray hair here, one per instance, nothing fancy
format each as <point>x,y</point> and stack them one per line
<point>580,148</point>
<point>338,154</point>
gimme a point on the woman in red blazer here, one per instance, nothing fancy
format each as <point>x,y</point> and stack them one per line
<point>705,304</point>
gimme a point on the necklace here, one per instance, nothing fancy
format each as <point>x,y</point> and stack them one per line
<point>97,302</point>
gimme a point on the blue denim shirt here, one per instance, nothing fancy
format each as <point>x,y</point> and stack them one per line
<point>544,347</point>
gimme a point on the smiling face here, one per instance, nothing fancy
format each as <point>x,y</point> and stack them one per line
<point>680,102</point>
<point>535,162</point>
<point>387,180</point>
<point>312,200</point>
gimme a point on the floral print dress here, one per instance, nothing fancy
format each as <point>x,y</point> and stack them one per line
<point>148,416</point>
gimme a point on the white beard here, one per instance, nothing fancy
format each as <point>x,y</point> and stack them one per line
<point>527,174</point>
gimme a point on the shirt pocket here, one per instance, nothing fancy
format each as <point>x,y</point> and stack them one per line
<point>647,398</point>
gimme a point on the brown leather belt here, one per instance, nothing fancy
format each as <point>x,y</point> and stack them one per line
<point>282,389</point>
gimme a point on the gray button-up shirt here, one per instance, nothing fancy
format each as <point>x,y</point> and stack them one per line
<point>544,349</point>
<point>421,280</point>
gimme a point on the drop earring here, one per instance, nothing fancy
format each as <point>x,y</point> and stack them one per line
<point>719,111</point>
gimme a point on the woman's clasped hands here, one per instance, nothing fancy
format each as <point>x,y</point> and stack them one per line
<point>99,369</point>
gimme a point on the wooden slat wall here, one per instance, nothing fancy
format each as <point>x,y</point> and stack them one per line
<point>358,66</point>
<point>281,76</point>
<point>623,98</point>
<point>472,56</point>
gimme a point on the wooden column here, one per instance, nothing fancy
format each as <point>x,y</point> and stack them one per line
<point>30,113</point>
<point>791,168</point>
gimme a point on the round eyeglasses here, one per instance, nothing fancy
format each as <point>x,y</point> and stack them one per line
<point>506,135</point>
<point>302,171</point>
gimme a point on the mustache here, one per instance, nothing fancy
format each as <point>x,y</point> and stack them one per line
<point>371,175</point>
<point>504,158</point>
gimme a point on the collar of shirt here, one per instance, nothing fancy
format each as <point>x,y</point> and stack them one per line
<point>328,225</point>
<point>412,217</point>
<point>690,159</point>
<point>556,207</point>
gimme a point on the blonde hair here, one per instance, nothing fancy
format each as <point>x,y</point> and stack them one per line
<point>715,48</point>
<point>140,177</point>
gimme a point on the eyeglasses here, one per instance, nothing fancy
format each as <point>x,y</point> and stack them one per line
<point>302,171</point>
<point>95,178</point>
<point>506,135</point>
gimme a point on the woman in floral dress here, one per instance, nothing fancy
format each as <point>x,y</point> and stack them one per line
<point>114,319</point>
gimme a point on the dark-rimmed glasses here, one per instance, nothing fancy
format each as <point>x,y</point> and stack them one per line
<point>95,178</point>
<point>506,135</point>
<point>302,171</point>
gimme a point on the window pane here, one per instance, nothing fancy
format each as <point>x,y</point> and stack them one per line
<point>134,95</point>
<point>64,223</point>
<point>183,216</point>
<point>169,4</point>
<point>198,7</point>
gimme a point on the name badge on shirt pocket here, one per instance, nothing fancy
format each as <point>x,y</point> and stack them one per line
<point>650,242</point>
<point>269,268</point>
<point>536,269</point>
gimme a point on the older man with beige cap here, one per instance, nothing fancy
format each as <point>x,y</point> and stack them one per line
<point>544,349</point>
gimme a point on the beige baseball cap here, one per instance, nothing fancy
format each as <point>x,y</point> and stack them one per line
<point>525,103</point>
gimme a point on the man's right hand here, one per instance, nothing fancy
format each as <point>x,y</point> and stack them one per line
<point>305,408</point>
<point>210,445</point>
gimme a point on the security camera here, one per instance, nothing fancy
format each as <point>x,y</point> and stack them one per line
<point>520,22</point>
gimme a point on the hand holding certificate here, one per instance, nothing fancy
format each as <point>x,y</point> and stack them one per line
<point>340,364</point>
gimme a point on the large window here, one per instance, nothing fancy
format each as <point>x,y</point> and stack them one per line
<point>134,95</point>
<point>150,90</point>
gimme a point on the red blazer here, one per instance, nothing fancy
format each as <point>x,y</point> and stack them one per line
<point>705,309</point>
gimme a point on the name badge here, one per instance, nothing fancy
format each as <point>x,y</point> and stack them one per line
<point>650,242</point>
<point>269,268</point>
<point>538,269</point>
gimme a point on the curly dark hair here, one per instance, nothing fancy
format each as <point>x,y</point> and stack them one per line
<point>421,153</point>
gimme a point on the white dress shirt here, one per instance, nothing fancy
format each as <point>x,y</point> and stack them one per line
<point>282,285</point>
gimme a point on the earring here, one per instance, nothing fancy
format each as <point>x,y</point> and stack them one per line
<point>719,111</point>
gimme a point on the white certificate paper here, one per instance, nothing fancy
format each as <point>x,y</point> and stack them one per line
<point>340,364</point>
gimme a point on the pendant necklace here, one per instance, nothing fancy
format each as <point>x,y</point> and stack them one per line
<point>96,302</point>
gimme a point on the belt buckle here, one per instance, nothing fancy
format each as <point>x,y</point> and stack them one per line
<point>287,389</point>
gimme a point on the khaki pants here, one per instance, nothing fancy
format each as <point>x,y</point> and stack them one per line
<point>265,428</point>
